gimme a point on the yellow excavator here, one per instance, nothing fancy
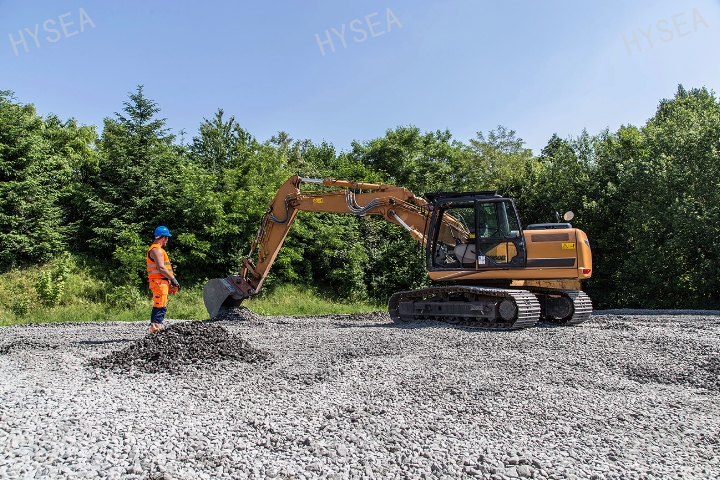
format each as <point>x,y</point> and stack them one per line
<point>489,272</point>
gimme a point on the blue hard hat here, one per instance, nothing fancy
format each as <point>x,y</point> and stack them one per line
<point>162,232</point>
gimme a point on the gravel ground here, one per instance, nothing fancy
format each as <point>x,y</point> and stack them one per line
<point>354,396</point>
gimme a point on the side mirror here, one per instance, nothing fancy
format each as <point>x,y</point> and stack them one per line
<point>569,215</point>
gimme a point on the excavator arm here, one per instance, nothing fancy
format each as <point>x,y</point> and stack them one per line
<point>395,204</point>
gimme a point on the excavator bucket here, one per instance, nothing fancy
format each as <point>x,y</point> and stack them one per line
<point>221,294</point>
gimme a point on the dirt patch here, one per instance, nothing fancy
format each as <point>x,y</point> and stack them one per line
<point>179,346</point>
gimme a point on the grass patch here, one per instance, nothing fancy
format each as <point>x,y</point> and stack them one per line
<point>65,290</point>
<point>294,300</point>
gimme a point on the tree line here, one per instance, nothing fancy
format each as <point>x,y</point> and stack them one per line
<point>648,198</point>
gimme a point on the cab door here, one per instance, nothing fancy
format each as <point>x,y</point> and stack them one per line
<point>499,238</point>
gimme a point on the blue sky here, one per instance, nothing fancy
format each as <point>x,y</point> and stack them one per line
<point>465,65</point>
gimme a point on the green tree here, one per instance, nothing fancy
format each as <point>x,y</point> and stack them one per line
<point>134,188</point>
<point>322,249</point>
<point>498,162</point>
<point>674,241</point>
<point>617,198</point>
<point>408,158</point>
<point>405,157</point>
<point>646,197</point>
<point>558,180</point>
<point>37,158</point>
<point>239,176</point>
<point>222,145</point>
<point>396,262</point>
<point>142,180</point>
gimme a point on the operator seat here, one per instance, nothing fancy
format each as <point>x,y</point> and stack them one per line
<point>465,253</point>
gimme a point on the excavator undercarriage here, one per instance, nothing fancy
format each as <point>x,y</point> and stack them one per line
<point>481,307</point>
<point>490,308</point>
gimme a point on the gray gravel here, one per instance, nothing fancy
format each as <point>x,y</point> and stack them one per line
<point>184,344</point>
<point>354,396</point>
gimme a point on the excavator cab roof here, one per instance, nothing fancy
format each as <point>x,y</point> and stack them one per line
<point>433,197</point>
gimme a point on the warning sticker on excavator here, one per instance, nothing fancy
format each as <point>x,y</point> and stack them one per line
<point>568,246</point>
<point>317,200</point>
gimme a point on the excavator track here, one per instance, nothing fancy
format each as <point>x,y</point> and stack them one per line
<point>468,306</point>
<point>562,307</point>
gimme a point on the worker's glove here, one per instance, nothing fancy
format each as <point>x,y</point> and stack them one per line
<point>174,287</point>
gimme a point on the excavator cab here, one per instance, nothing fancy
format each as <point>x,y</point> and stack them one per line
<point>474,231</point>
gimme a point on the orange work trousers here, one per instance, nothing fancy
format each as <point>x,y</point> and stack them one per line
<point>159,288</point>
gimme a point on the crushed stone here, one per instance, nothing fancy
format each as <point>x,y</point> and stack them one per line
<point>235,314</point>
<point>180,345</point>
<point>619,396</point>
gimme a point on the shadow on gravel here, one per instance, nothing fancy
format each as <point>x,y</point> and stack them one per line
<point>237,314</point>
<point>364,320</point>
<point>104,342</point>
<point>635,312</point>
<point>551,325</point>
<point>365,325</point>
<point>181,346</point>
<point>704,374</point>
<point>423,324</point>
<point>25,345</point>
<point>613,325</point>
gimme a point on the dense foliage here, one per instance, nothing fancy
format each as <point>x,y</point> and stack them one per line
<point>647,196</point>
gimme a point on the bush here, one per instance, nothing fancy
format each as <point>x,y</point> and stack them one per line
<point>51,285</point>
<point>125,296</point>
<point>19,307</point>
<point>130,257</point>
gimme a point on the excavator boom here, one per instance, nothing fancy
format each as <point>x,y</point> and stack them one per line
<point>395,204</point>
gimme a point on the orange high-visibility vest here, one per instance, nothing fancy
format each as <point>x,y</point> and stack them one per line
<point>152,268</point>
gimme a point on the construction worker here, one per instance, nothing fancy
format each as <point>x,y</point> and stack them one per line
<point>160,277</point>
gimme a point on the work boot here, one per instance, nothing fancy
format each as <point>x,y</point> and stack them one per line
<point>155,327</point>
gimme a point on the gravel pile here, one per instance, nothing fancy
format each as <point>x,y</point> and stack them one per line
<point>178,346</point>
<point>238,314</point>
<point>622,396</point>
